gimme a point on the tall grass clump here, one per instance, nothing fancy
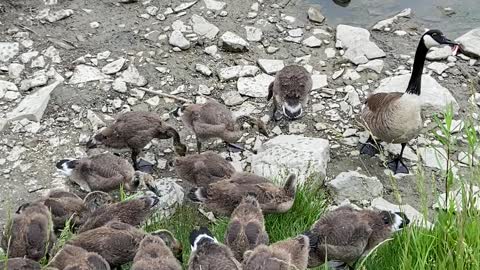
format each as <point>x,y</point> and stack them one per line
<point>309,204</point>
<point>453,240</point>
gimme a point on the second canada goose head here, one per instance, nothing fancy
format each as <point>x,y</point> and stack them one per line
<point>435,38</point>
<point>200,236</point>
<point>172,243</point>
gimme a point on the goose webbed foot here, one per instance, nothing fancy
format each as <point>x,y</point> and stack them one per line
<point>369,148</point>
<point>397,166</point>
<point>144,166</point>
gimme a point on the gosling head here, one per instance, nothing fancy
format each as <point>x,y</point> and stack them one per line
<point>99,138</point>
<point>201,236</point>
<point>180,149</point>
<point>292,108</point>
<point>66,166</point>
<point>396,221</point>
<point>435,38</point>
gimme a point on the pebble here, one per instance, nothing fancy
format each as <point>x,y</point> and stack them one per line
<point>232,98</point>
<point>232,42</point>
<point>312,42</point>
<point>253,34</point>
<point>330,52</point>
<point>298,32</point>
<point>178,40</point>
<point>114,67</point>
<point>94,25</point>
<point>203,69</point>
<point>214,5</point>
<point>270,66</point>
<point>315,15</point>
<point>296,128</point>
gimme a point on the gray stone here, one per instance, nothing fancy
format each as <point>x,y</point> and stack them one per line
<point>84,73</point>
<point>375,65</point>
<point>457,197</point>
<point>297,154</point>
<point>6,86</point>
<point>319,82</point>
<point>296,128</point>
<point>8,50</point>
<point>33,106</point>
<point>52,53</point>
<point>256,86</point>
<point>203,69</point>
<point>11,95</point>
<point>3,125</point>
<point>232,98</point>
<point>470,42</point>
<point>184,6</point>
<point>415,217</point>
<point>434,98</point>
<point>152,10</point>
<point>315,15</point>
<point>179,26</point>
<point>204,90</point>
<point>132,76</point>
<point>355,187</point>
<point>95,121</point>
<point>381,25</point>
<point>351,74</point>
<point>26,57</point>
<point>438,67</point>
<point>214,5</point>
<point>231,42</point>
<point>153,35</point>
<point>253,33</point>
<point>312,42</point>
<point>38,80</point>
<point>113,67</point>
<point>357,43</point>
<point>297,32</point>
<point>270,66</point>
<point>15,70</point>
<point>38,62</point>
<point>330,52</point>
<point>230,73</point>
<point>119,85</point>
<point>439,53</point>
<point>297,40</point>
<point>59,15</point>
<point>433,157</point>
<point>204,28</point>
<point>170,194</point>
<point>178,40</point>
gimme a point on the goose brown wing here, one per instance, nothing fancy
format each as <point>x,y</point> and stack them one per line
<point>379,101</point>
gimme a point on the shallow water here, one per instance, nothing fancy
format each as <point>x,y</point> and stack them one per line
<point>366,13</point>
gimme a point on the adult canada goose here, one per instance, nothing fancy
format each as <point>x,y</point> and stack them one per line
<point>209,254</point>
<point>103,172</point>
<point>246,229</point>
<point>73,257</point>
<point>290,91</point>
<point>135,130</point>
<point>345,234</point>
<point>203,169</point>
<point>116,242</point>
<point>133,212</point>
<point>154,254</point>
<point>395,117</point>
<point>19,264</point>
<point>30,234</point>
<point>214,120</point>
<point>290,254</point>
<point>223,197</point>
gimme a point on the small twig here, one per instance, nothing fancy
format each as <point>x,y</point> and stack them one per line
<point>150,91</point>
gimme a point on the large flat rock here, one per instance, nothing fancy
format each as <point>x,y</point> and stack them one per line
<point>255,86</point>
<point>304,156</point>
<point>471,42</point>
<point>434,97</point>
<point>84,73</point>
<point>355,187</point>
<point>203,28</point>
<point>33,106</point>
<point>356,41</point>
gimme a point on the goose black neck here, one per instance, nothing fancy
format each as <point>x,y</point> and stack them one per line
<point>414,86</point>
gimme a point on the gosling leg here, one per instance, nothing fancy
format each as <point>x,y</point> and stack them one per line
<point>397,165</point>
<point>135,153</point>
<point>199,146</point>
<point>369,147</point>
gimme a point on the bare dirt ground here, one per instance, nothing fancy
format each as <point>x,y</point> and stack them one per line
<point>122,29</point>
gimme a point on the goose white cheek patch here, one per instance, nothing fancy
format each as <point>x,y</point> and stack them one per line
<point>65,170</point>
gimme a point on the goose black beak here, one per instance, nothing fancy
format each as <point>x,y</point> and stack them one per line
<point>449,42</point>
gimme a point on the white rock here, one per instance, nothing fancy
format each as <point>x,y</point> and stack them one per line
<point>415,217</point>
<point>179,26</point>
<point>94,25</point>
<point>6,86</point>
<point>433,157</point>
<point>297,32</point>
<point>132,76</point>
<point>297,40</point>
<point>11,95</point>
<point>153,101</point>
<point>470,42</point>
<point>95,121</point>
<point>296,128</point>
<point>59,15</point>
<point>318,31</point>
<point>375,65</point>
<point>352,98</point>
<point>152,10</point>
<point>204,28</point>
<point>15,70</point>
<point>456,197</point>
<point>184,6</point>
<point>270,66</point>
<point>434,98</point>
<point>3,125</point>
<point>357,42</point>
<point>113,67</point>
<point>214,5</point>
<point>38,62</point>
<point>26,57</point>
<point>312,42</point>
<point>235,72</point>
<point>319,82</point>
<point>178,40</point>
<point>253,34</point>
<point>330,52</point>
<point>351,74</point>
<point>355,187</point>
<point>15,153</point>
<point>38,80</point>
<point>439,53</point>
<point>297,154</point>
<point>52,53</point>
<point>33,106</point>
<point>438,67</point>
<point>84,73</point>
<point>232,98</point>
<point>203,69</point>
<point>231,42</point>
<point>119,85</point>
<point>256,86</point>
<point>315,15</point>
<point>400,33</point>
<point>381,25</point>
